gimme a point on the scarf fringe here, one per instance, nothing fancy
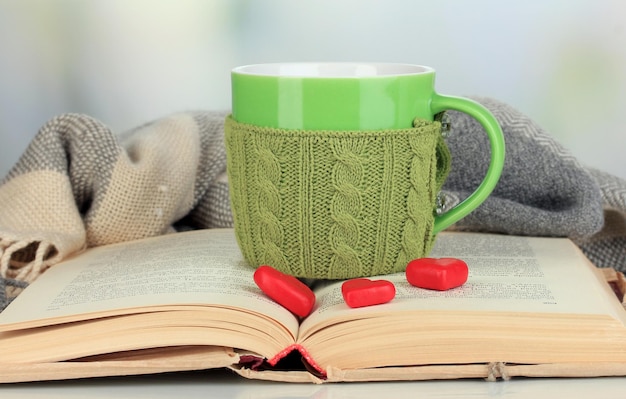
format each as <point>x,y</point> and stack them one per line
<point>11,268</point>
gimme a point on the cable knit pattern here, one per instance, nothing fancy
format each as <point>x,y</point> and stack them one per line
<point>423,190</point>
<point>334,204</point>
<point>346,205</point>
<point>269,174</point>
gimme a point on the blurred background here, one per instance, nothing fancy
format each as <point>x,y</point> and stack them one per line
<point>125,62</point>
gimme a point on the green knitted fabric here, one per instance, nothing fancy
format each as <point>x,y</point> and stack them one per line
<point>335,204</point>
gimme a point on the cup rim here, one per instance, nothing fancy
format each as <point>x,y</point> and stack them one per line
<point>331,70</point>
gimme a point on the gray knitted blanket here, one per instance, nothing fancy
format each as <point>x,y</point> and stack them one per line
<point>79,185</point>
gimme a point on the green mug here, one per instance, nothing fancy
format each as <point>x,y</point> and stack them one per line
<point>334,168</point>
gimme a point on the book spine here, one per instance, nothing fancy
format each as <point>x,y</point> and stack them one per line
<point>305,354</point>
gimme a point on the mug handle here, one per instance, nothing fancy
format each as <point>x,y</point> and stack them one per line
<point>441,103</point>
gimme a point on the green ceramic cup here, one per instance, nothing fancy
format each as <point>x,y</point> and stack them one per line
<point>358,97</point>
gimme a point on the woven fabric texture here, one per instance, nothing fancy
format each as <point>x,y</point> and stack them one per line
<point>80,185</point>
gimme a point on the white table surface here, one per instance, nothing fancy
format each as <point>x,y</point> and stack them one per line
<point>223,384</point>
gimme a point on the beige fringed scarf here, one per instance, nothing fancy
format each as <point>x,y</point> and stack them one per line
<point>79,185</point>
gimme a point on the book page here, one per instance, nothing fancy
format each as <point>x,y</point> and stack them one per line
<point>202,267</point>
<point>506,273</point>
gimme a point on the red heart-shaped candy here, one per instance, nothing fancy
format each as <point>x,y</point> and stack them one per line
<point>286,290</point>
<point>361,292</point>
<point>437,273</point>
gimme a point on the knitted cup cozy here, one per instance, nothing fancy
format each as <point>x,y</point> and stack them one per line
<point>335,204</point>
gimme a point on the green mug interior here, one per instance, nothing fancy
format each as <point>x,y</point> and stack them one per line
<point>332,96</point>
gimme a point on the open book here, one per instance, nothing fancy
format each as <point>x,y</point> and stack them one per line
<point>186,301</point>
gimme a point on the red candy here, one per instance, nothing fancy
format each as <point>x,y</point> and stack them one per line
<point>286,290</point>
<point>361,292</point>
<point>437,273</point>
